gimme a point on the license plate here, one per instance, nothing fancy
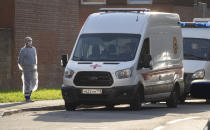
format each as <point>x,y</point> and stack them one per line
<point>91,91</point>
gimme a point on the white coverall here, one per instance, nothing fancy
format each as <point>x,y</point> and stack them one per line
<point>27,62</point>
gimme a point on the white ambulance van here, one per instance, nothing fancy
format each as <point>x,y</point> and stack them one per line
<point>125,56</point>
<point>196,44</point>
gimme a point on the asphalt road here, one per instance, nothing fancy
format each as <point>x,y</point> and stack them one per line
<point>189,116</point>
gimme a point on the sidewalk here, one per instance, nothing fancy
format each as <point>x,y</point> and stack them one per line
<point>11,108</point>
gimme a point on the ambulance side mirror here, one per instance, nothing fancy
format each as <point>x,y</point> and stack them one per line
<point>64,60</point>
<point>147,61</point>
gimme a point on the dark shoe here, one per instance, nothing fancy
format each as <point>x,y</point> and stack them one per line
<point>29,100</point>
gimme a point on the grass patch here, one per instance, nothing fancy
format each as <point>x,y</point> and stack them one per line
<point>40,94</point>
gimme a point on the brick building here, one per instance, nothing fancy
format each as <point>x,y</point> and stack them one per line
<point>185,8</point>
<point>54,25</point>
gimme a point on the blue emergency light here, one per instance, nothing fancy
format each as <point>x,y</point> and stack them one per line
<point>194,25</point>
<point>123,10</point>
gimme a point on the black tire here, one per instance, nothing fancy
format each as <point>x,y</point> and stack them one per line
<point>136,104</point>
<point>153,102</point>
<point>182,99</point>
<point>70,106</point>
<point>172,101</point>
<point>110,107</point>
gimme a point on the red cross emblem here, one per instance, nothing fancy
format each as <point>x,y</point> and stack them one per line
<point>95,66</point>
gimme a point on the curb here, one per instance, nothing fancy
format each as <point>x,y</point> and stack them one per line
<point>15,111</point>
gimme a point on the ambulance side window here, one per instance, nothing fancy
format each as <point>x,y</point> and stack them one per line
<point>145,57</point>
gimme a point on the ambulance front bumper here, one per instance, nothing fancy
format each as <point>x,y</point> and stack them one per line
<point>114,95</point>
<point>200,89</point>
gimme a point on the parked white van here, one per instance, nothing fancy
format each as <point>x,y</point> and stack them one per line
<point>125,56</point>
<point>196,46</point>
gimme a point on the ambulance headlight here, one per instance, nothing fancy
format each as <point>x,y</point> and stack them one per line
<point>68,73</point>
<point>126,73</point>
<point>198,74</point>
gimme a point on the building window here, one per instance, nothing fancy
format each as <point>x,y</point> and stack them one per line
<point>93,2</point>
<point>139,1</point>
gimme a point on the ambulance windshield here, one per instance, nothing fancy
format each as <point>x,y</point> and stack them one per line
<point>196,49</point>
<point>106,47</point>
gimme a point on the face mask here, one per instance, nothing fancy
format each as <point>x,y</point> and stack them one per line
<point>30,43</point>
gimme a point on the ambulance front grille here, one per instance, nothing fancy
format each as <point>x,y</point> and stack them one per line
<point>93,78</point>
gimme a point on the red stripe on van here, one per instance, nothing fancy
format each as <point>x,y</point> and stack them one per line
<point>175,70</point>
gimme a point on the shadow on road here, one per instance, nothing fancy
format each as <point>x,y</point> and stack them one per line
<point>99,115</point>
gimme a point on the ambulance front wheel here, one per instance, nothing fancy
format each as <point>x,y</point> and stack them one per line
<point>70,106</point>
<point>172,101</point>
<point>136,104</point>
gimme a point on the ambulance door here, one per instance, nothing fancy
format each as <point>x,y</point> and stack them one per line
<point>145,67</point>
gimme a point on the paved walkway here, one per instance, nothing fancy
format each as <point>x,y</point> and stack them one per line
<point>11,108</point>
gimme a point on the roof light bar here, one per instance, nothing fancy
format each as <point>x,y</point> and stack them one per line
<point>194,25</point>
<point>123,10</point>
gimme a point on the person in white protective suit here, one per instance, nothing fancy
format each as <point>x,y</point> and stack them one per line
<point>27,62</point>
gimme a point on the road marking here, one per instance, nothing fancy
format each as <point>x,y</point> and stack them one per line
<point>89,127</point>
<point>159,128</point>
<point>179,120</point>
<point>174,121</point>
